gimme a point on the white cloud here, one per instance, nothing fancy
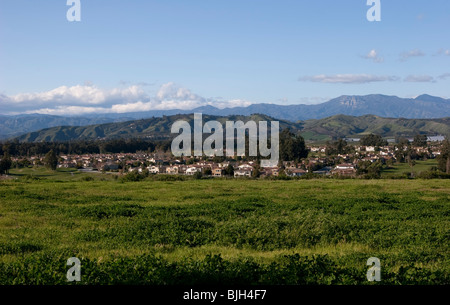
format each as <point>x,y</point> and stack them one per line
<point>83,99</point>
<point>413,53</point>
<point>81,95</point>
<point>419,79</point>
<point>444,76</point>
<point>373,55</point>
<point>445,52</point>
<point>348,78</point>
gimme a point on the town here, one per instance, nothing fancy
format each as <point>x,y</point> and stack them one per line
<point>338,158</point>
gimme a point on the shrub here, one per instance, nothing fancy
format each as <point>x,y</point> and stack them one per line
<point>133,177</point>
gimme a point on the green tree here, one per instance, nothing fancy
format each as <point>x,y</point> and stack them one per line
<point>420,140</point>
<point>51,160</point>
<point>411,163</point>
<point>5,164</point>
<point>207,172</point>
<point>198,175</point>
<point>256,173</point>
<point>369,169</point>
<point>402,142</point>
<point>229,170</point>
<point>292,147</point>
<point>373,140</point>
<point>337,147</point>
<point>444,157</point>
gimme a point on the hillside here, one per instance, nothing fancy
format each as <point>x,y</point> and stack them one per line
<point>154,128</point>
<point>323,129</point>
<point>345,126</point>
<point>11,126</point>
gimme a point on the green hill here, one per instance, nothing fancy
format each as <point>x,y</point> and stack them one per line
<point>314,130</point>
<point>345,126</point>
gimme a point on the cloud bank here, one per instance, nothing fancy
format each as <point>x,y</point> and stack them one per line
<point>348,78</point>
<point>85,99</point>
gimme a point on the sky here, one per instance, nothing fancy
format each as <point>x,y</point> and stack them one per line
<point>136,55</point>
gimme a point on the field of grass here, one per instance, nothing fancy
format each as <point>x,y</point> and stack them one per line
<point>403,168</point>
<point>61,174</point>
<point>222,231</point>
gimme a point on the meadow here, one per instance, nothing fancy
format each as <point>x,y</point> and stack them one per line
<point>219,231</point>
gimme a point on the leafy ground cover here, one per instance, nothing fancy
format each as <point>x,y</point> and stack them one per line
<point>223,231</point>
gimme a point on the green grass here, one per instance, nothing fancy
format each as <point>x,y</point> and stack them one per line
<point>276,232</point>
<point>60,174</point>
<point>403,168</point>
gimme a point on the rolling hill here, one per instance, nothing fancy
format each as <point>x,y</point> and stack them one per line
<point>316,130</point>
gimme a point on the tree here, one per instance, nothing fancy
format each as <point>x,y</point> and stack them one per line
<point>411,163</point>
<point>420,140</point>
<point>337,147</point>
<point>256,173</point>
<point>444,157</point>
<point>229,170</point>
<point>369,169</point>
<point>373,140</point>
<point>292,147</point>
<point>207,172</point>
<point>402,142</point>
<point>51,160</point>
<point>5,164</point>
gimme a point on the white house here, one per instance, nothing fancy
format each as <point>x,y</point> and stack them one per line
<point>192,170</point>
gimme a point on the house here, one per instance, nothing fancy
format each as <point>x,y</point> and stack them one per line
<point>156,169</point>
<point>345,169</point>
<point>192,170</point>
<point>172,170</point>
<point>296,172</point>
<point>245,167</point>
<point>217,172</point>
<point>110,167</point>
<point>323,171</point>
<point>436,139</point>
<point>243,173</point>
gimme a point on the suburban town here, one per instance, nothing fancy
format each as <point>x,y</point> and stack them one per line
<point>318,162</point>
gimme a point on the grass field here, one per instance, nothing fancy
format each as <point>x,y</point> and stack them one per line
<point>222,231</point>
<point>403,168</point>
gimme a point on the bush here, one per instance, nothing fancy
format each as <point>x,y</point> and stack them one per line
<point>433,175</point>
<point>133,177</point>
<point>50,269</point>
<point>168,177</point>
<point>30,178</point>
<point>198,175</point>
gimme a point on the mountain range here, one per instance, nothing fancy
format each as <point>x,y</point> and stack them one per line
<point>421,107</point>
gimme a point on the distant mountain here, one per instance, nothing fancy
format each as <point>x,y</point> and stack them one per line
<point>421,107</point>
<point>314,130</point>
<point>11,126</point>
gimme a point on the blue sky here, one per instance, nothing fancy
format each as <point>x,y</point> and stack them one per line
<point>142,55</point>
